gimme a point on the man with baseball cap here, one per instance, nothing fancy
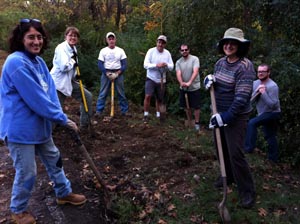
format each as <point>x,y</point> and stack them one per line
<point>157,62</point>
<point>112,62</point>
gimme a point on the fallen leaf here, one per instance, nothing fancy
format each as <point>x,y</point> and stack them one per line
<point>111,187</point>
<point>161,221</point>
<point>279,212</point>
<point>171,207</point>
<point>142,214</point>
<point>157,196</point>
<point>149,209</point>
<point>262,212</point>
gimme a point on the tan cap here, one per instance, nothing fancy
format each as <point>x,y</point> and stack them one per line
<point>162,37</point>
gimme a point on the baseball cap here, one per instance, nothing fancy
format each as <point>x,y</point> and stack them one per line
<point>162,37</point>
<point>110,34</point>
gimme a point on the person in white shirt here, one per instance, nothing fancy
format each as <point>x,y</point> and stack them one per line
<point>112,62</point>
<point>157,61</point>
<point>64,74</point>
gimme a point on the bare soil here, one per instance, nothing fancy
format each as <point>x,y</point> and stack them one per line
<point>133,159</point>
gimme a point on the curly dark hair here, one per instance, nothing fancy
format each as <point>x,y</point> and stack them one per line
<point>15,41</point>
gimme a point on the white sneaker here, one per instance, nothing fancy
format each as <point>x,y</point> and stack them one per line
<point>197,127</point>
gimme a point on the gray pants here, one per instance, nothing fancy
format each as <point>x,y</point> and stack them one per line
<point>236,165</point>
<point>76,94</point>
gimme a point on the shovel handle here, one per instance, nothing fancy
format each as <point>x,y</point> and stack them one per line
<point>112,109</point>
<point>222,208</point>
<point>82,91</point>
<point>253,98</point>
<point>89,160</point>
<point>217,132</point>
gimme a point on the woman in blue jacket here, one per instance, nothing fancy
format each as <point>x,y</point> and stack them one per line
<point>28,107</point>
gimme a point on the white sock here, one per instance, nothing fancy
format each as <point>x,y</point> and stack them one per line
<point>146,113</point>
<point>157,114</point>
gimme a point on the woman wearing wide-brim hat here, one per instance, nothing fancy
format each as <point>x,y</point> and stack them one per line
<point>232,80</point>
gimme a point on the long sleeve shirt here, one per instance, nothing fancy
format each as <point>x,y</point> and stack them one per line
<point>269,100</point>
<point>28,100</point>
<point>152,58</point>
<point>233,86</point>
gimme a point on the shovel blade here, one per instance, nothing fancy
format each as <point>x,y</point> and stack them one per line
<point>162,109</point>
<point>189,123</point>
<point>224,213</point>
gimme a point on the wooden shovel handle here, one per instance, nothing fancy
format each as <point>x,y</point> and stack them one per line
<point>112,108</point>
<point>217,132</point>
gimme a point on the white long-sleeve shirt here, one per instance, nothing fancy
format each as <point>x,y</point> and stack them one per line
<point>152,58</point>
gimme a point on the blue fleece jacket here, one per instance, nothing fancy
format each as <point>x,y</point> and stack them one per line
<point>28,100</point>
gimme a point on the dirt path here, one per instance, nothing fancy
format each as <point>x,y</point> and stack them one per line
<point>127,152</point>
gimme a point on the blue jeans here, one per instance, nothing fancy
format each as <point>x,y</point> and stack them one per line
<point>269,123</point>
<point>23,157</point>
<point>104,90</point>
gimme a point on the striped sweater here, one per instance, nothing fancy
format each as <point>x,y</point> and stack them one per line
<point>233,87</point>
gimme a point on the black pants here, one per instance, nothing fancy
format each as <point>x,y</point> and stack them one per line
<point>236,165</point>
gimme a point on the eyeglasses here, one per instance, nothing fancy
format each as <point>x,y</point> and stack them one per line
<point>263,72</point>
<point>29,21</point>
<point>33,37</point>
<point>183,50</point>
<point>73,35</point>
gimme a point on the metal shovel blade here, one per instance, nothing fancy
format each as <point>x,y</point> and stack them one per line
<point>223,211</point>
<point>189,122</point>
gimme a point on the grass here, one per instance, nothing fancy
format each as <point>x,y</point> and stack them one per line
<point>277,189</point>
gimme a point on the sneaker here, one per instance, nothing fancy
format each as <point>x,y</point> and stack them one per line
<point>197,127</point>
<point>74,199</point>
<point>23,218</point>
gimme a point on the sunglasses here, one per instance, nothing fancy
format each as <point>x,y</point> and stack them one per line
<point>183,50</point>
<point>29,21</point>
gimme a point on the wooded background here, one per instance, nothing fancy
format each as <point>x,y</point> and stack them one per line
<point>271,25</point>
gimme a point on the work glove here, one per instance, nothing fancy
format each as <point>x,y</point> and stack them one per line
<point>112,75</point>
<point>208,81</point>
<point>72,125</point>
<point>223,119</point>
<point>216,121</point>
